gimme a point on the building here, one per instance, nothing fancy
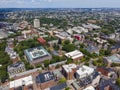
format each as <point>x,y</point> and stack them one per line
<point>25,83</point>
<point>92,49</point>
<point>91,26</point>
<point>106,71</point>
<point>27,34</point>
<point>107,84</point>
<point>62,35</point>
<point>79,30</point>
<point>89,88</point>
<point>61,86</point>
<point>12,54</point>
<point>15,69</point>
<point>115,58</point>
<point>75,55</point>
<point>69,71</point>
<point>84,71</point>
<point>42,41</point>
<point>86,79</point>
<point>115,49</point>
<point>36,23</point>
<point>45,80</point>
<point>37,55</point>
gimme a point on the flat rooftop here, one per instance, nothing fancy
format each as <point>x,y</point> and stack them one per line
<point>45,77</point>
<point>36,53</point>
<point>74,54</point>
<point>89,88</point>
<point>68,68</point>
<point>17,83</point>
<point>84,70</point>
<point>114,58</point>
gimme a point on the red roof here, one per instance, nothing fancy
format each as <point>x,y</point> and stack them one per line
<point>41,40</point>
<point>78,37</point>
<point>103,71</point>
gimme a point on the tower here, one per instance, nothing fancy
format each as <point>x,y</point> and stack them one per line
<point>36,23</point>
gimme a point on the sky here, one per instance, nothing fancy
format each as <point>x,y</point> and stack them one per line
<point>59,3</point>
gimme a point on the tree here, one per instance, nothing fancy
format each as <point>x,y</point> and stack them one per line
<point>69,47</point>
<point>67,88</point>
<point>118,82</point>
<point>62,80</point>
<point>69,60</point>
<point>46,63</point>
<point>66,42</point>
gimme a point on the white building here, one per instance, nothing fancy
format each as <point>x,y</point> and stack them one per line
<point>77,30</point>
<point>75,55</point>
<point>36,23</point>
<point>26,81</point>
<point>69,68</point>
<point>84,71</point>
<point>89,88</point>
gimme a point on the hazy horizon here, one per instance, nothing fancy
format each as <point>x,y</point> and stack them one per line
<point>59,4</point>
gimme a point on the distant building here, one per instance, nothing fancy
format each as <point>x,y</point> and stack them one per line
<point>63,35</point>
<point>91,26</point>
<point>42,41</point>
<point>36,23</point>
<point>27,34</point>
<point>92,49</point>
<point>115,58</point>
<point>15,69</point>
<point>45,80</point>
<point>25,83</point>
<point>37,55</point>
<point>75,55</point>
<point>12,54</point>
<point>115,49</point>
<point>79,30</point>
<point>69,71</point>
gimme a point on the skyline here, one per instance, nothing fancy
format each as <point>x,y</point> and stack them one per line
<point>59,4</point>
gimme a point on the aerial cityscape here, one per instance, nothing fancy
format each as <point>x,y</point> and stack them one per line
<point>59,45</point>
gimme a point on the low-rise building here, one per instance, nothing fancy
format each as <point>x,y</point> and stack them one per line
<point>75,55</point>
<point>105,71</point>
<point>107,84</point>
<point>84,71</point>
<point>92,49</point>
<point>15,69</point>
<point>86,76</point>
<point>25,83</point>
<point>42,41</point>
<point>37,55</point>
<point>89,88</point>
<point>115,58</point>
<point>91,26</point>
<point>69,71</point>
<point>45,80</point>
<point>115,49</point>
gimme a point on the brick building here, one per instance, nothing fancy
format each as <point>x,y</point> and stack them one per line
<point>45,80</point>
<point>69,71</point>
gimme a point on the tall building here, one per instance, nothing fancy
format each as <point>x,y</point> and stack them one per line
<point>36,23</point>
<point>69,71</point>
